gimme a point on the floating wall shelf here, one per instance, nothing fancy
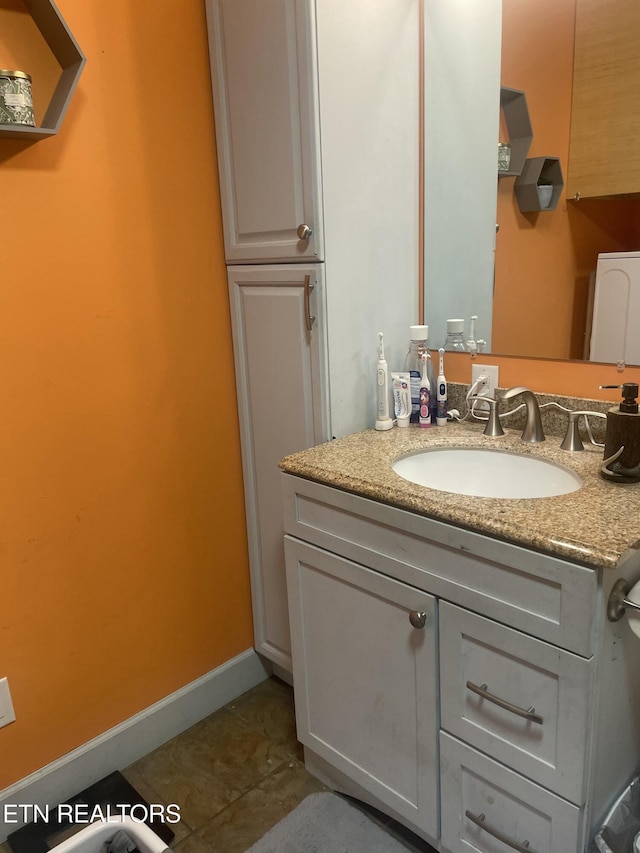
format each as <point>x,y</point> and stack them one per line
<point>526,185</point>
<point>71,60</point>
<point>513,104</point>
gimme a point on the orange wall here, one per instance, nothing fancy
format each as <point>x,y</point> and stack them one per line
<point>123,547</point>
<point>543,259</point>
<point>570,378</point>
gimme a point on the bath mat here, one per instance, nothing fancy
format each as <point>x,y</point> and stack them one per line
<point>327,823</point>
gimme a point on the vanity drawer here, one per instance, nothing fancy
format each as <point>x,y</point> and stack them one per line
<point>541,595</point>
<point>487,807</point>
<point>518,699</point>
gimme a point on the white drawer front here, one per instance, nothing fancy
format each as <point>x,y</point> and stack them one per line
<point>547,745</point>
<point>511,810</point>
<point>538,594</point>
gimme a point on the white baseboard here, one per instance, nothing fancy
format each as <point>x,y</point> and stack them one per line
<point>118,747</point>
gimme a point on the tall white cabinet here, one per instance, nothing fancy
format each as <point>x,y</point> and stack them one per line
<point>316,108</point>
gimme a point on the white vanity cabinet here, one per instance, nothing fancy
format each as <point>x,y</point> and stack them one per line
<point>511,720</point>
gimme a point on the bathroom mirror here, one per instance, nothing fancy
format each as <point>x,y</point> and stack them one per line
<point>532,296</point>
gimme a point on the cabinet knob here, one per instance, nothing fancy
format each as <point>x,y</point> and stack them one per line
<point>304,232</point>
<point>418,618</point>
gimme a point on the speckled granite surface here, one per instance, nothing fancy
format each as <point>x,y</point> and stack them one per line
<point>598,525</point>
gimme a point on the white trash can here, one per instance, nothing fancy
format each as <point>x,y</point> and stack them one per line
<point>91,838</point>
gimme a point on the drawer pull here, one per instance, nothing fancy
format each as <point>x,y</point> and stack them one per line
<point>528,714</point>
<point>418,618</point>
<point>480,821</point>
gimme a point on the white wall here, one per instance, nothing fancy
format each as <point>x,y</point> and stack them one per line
<point>369,108</point>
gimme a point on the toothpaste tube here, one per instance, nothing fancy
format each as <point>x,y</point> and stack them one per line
<point>401,398</point>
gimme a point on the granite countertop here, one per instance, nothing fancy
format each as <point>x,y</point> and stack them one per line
<point>597,526</point>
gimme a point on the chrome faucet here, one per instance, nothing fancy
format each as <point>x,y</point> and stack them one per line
<point>533,431</point>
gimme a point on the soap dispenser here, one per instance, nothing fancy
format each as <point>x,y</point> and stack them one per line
<point>622,439</point>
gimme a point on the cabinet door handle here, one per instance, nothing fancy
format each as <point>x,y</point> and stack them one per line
<point>480,821</point>
<point>304,232</point>
<point>308,287</point>
<point>418,618</point>
<point>528,713</point>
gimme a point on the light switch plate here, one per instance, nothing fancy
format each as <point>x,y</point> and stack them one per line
<point>7,714</point>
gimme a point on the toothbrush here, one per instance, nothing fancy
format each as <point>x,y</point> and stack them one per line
<point>441,392</point>
<point>383,421</point>
<point>472,345</point>
<point>424,418</point>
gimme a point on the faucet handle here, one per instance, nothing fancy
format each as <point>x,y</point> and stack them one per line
<point>572,440</point>
<point>493,427</point>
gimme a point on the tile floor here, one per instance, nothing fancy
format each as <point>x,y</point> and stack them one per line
<point>235,774</point>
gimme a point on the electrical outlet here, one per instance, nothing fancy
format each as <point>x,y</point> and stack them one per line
<point>488,386</point>
<point>7,714</point>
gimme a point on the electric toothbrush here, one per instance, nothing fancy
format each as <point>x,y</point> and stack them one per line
<point>383,421</point>
<point>441,392</point>
<point>424,416</point>
<point>472,344</point>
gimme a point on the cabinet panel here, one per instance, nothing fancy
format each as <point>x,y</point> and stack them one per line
<point>474,786</point>
<point>543,596</point>
<point>604,158</point>
<point>365,678</point>
<point>265,94</point>
<point>281,404</point>
<point>549,745</point>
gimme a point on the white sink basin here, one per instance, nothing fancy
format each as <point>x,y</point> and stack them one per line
<point>486,473</point>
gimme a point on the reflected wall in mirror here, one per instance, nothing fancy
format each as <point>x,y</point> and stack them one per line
<point>544,259</point>
<point>461,108</point>
<point>540,281</point>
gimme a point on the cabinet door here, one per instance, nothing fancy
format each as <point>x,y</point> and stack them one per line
<point>282,408</point>
<point>604,158</point>
<point>264,80</point>
<point>365,678</point>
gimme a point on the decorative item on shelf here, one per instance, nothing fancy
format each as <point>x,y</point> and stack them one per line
<point>504,156</point>
<point>16,103</point>
<point>540,185</point>
<point>514,110</point>
<point>544,189</point>
<point>59,41</point>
